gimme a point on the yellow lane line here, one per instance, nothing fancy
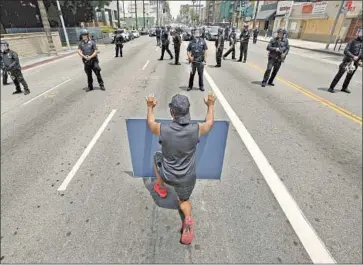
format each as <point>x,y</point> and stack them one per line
<point>323,101</point>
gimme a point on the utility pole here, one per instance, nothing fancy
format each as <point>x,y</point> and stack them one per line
<point>143,10</point>
<point>136,14</point>
<point>123,9</point>
<point>335,24</point>
<point>157,12</point>
<point>63,26</point>
<point>118,14</point>
<point>254,19</point>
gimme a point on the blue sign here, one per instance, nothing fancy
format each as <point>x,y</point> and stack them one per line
<point>210,150</point>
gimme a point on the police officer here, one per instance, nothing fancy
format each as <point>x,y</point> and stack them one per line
<point>255,35</point>
<point>232,44</point>
<point>203,33</point>
<point>177,43</point>
<point>119,42</point>
<point>88,51</point>
<point>11,65</point>
<point>197,56</point>
<point>219,47</point>
<point>353,56</point>
<point>165,43</point>
<point>276,47</point>
<point>283,56</point>
<point>158,34</point>
<point>243,46</point>
<point>226,34</point>
<point>3,69</point>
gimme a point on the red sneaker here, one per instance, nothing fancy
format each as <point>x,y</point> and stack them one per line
<point>188,231</point>
<point>161,191</point>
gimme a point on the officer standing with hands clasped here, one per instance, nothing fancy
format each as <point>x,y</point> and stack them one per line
<point>165,43</point>
<point>197,56</point>
<point>119,42</point>
<point>353,56</point>
<point>276,47</point>
<point>11,65</point>
<point>243,46</point>
<point>219,47</point>
<point>88,51</point>
<point>255,35</point>
<point>232,45</point>
<point>177,43</point>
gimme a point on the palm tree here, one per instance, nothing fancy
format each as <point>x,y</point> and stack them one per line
<point>46,26</point>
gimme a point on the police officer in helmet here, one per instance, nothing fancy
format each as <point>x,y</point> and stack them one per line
<point>197,56</point>
<point>165,43</point>
<point>177,43</point>
<point>255,34</point>
<point>353,56</point>
<point>11,64</point>
<point>219,47</point>
<point>119,42</point>
<point>88,51</point>
<point>244,39</point>
<point>276,47</point>
<point>5,73</point>
<point>232,44</point>
<point>226,34</point>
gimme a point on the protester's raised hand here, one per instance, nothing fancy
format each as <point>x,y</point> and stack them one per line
<point>151,101</point>
<point>211,99</point>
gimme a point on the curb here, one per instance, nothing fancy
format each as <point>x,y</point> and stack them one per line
<point>46,61</point>
<point>315,50</point>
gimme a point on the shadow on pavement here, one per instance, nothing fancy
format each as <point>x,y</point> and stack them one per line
<point>186,88</point>
<point>256,82</point>
<point>170,202</point>
<point>326,89</point>
<point>94,88</point>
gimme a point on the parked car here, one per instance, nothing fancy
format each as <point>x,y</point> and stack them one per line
<point>212,33</point>
<point>144,31</point>
<point>130,35</point>
<point>135,33</point>
<point>152,32</point>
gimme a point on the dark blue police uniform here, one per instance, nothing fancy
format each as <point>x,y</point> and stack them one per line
<point>197,48</point>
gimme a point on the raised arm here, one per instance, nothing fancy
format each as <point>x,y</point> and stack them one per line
<point>206,126</point>
<point>153,125</point>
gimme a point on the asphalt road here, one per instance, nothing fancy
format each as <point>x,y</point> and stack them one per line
<point>311,138</point>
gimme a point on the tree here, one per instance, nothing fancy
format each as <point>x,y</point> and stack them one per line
<point>46,26</point>
<point>194,16</point>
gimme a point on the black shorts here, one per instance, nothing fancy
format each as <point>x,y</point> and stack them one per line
<point>183,191</point>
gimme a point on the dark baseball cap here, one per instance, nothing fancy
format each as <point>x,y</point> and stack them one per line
<point>180,106</point>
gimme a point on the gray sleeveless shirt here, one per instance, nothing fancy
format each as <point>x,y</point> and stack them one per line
<point>179,145</point>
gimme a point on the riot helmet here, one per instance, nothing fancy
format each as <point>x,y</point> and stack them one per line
<point>4,46</point>
<point>280,33</point>
<point>220,31</point>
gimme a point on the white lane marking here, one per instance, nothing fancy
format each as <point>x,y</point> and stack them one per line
<point>145,65</point>
<point>359,82</point>
<point>75,168</point>
<point>304,230</point>
<point>30,100</point>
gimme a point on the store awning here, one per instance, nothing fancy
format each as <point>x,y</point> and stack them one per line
<point>265,15</point>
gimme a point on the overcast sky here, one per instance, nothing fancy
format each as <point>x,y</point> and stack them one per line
<point>175,6</point>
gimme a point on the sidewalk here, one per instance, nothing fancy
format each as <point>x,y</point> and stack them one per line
<point>311,45</point>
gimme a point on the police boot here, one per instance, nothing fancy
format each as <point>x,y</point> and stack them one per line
<point>331,90</point>
<point>346,90</point>
<point>17,91</point>
<point>90,88</point>
<point>102,87</point>
<point>26,91</point>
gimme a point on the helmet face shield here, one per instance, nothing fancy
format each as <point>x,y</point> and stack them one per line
<point>4,47</point>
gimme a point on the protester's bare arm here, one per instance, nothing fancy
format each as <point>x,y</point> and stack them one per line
<point>153,125</point>
<point>206,126</point>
